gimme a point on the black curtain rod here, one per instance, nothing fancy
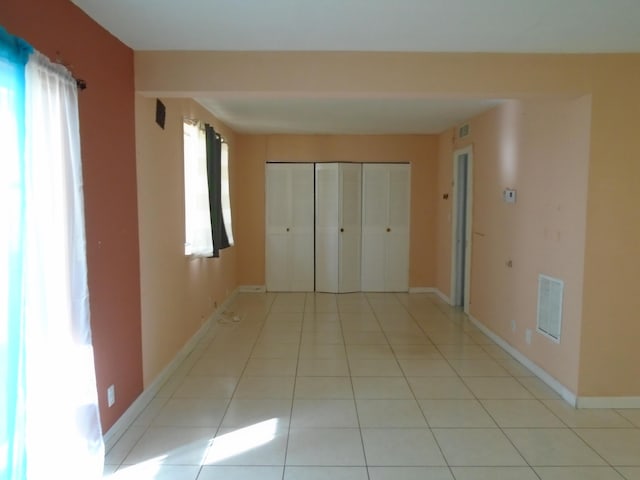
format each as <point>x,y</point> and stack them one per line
<point>80,83</point>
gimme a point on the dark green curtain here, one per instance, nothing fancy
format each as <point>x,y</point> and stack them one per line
<point>214,155</point>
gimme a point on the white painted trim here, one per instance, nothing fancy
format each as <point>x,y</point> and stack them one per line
<point>443,297</point>
<point>251,289</point>
<point>422,290</point>
<point>608,402</point>
<point>121,425</point>
<point>468,150</point>
<point>432,290</point>
<point>469,233</point>
<point>554,384</point>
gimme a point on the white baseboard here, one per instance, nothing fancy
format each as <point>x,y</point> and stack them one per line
<point>608,402</point>
<point>252,289</point>
<point>564,392</point>
<point>121,425</point>
<point>422,290</point>
<point>432,290</point>
<point>554,384</point>
<point>443,297</point>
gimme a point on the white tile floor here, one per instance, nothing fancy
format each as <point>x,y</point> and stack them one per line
<point>364,386</point>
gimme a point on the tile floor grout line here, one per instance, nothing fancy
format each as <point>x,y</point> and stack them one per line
<point>167,399</point>
<point>573,430</point>
<point>293,393</point>
<point>148,425</point>
<point>255,341</point>
<point>477,400</point>
<point>377,307</point>
<point>353,392</point>
<point>450,467</point>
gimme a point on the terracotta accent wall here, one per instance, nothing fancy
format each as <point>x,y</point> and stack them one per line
<point>541,149</point>
<point>58,28</point>
<point>418,150</point>
<point>178,293</point>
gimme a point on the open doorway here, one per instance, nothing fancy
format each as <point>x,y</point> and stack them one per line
<point>461,218</point>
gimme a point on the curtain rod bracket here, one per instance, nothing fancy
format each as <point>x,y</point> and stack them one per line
<point>80,83</point>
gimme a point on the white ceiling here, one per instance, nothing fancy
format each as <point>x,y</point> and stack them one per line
<point>344,116</point>
<point>373,25</point>
<point>527,26</point>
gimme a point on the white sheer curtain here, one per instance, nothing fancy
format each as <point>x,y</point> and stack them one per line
<point>198,238</point>
<point>63,434</point>
<point>226,194</point>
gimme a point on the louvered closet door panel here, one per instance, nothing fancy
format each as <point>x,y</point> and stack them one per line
<point>397,239</point>
<point>289,227</point>
<point>385,234</point>
<point>350,211</point>
<point>302,246</point>
<point>374,224</point>
<point>278,217</point>
<point>327,227</point>
<point>278,264</point>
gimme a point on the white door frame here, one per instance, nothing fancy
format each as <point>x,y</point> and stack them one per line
<point>468,151</point>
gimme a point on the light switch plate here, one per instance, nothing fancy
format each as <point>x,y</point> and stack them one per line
<point>509,195</point>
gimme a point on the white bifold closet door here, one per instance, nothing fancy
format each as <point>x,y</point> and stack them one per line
<point>338,227</point>
<point>289,227</point>
<point>385,227</point>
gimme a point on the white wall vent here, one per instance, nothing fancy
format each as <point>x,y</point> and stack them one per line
<point>463,131</point>
<point>550,306</point>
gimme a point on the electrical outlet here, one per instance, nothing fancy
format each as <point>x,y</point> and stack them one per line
<point>527,336</point>
<point>513,325</point>
<point>111,395</point>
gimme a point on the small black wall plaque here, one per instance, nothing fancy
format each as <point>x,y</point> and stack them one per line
<point>160,113</point>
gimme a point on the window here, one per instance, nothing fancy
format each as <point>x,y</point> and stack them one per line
<point>197,219</point>
<point>208,226</point>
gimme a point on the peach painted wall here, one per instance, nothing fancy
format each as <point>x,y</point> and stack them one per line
<point>59,28</point>
<point>418,150</point>
<point>610,357</point>
<point>611,263</point>
<point>541,149</point>
<point>446,143</point>
<point>178,293</point>
<point>251,153</point>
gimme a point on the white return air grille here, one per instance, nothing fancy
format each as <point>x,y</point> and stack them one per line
<point>550,306</point>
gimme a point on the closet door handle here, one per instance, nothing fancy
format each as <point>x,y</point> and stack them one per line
<point>342,229</point>
<point>287,229</point>
<point>388,229</point>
